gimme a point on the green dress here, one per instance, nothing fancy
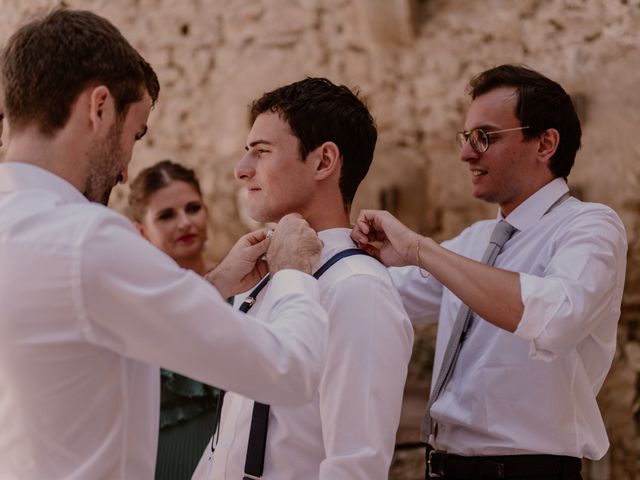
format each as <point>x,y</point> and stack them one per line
<point>187,416</point>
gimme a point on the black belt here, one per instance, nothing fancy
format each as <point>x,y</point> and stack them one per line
<point>441,464</point>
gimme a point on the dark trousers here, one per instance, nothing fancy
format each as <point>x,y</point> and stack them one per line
<point>508,467</point>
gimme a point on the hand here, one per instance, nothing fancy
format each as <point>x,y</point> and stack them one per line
<point>398,241</point>
<point>294,244</point>
<point>243,266</point>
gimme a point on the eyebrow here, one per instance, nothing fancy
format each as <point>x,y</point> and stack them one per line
<point>485,127</point>
<point>257,142</point>
<point>164,210</point>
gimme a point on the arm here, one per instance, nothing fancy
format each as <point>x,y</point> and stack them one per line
<point>476,284</point>
<point>134,300</point>
<point>581,285</point>
<point>369,346</point>
<point>580,291</point>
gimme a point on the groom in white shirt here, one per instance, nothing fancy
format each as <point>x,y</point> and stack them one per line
<point>310,146</point>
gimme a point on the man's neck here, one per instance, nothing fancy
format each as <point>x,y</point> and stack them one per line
<point>330,215</point>
<point>50,154</point>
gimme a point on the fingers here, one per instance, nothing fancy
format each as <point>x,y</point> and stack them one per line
<point>257,251</point>
<point>256,236</point>
<point>359,237</point>
<point>368,227</point>
<point>294,245</point>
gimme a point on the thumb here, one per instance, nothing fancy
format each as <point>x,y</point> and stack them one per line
<point>258,249</point>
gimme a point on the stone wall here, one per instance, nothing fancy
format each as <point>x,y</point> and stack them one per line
<point>411,61</point>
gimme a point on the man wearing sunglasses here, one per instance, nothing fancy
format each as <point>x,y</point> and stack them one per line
<point>527,304</point>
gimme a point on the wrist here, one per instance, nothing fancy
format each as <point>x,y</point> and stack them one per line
<point>419,255</point>
<point>215,278</point>
<point>411,254</point>
<point>292,264</point>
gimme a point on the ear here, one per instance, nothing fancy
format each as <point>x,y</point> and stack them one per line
<point>548,144</point>
<point>140,229</point>
<point>102,112</point>
<point>329,160</point>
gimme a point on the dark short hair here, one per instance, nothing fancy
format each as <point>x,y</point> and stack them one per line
<point>541,104</point>
<point>48,62</point>
<point>154,178</point>
<point>318,111</point>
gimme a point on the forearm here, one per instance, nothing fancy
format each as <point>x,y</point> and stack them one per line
<point>150,310</point>
<point>216,277</point>
<point>492,293</point>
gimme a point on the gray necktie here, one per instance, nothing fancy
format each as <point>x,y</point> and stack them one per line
<point>501,233</point>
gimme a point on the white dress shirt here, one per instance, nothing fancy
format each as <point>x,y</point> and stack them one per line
<point>348,430</point>
<point>533,391</point>
<point>89,310</point>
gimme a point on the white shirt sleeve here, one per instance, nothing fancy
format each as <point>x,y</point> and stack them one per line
<point>421,296</point>
<point>369,346</point>
<point>581,285</point>
<point>135,300</point>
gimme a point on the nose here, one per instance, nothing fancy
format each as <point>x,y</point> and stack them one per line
<point>245,168</point>
<point>183,219</point>
<point>467,153</point>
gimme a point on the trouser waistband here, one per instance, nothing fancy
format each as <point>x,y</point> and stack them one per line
<point>444,465</point>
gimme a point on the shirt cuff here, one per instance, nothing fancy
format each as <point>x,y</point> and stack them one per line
<point>540,298</point>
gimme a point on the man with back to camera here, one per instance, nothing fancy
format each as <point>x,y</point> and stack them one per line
<point>88,308</point>
<point>514,388</point>
<point>310,146</point>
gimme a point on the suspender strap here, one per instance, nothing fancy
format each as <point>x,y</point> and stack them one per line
<point>251,299</point>
<point>338,256</point>
<point>244,307</point>
<point>254,462</point>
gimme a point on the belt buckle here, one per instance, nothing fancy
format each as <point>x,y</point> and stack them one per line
<point>439,473</point>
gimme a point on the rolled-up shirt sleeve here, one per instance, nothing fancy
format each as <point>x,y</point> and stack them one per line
<point>580,288</point>
<point>135,300</point>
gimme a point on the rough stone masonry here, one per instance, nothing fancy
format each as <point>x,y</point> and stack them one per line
<point>411,60</point>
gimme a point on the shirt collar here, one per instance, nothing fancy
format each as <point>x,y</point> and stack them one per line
<point>24,176</point>
<point>533,208</point>
<point>334,240</point>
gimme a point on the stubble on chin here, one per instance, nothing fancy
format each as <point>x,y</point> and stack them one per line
<point>104,172</point>
<point>99,185</point>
